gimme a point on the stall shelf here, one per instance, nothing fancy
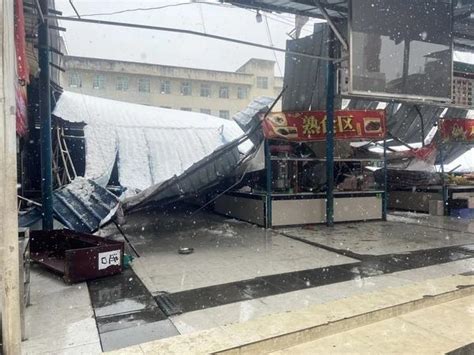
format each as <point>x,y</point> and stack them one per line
<point>455,131</point>
<point>269,207</point>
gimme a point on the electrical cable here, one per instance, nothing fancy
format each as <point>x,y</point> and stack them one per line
<point>271,44</point>
<point>148,8</point>
<point>190,32</point>
<point>276,18</point>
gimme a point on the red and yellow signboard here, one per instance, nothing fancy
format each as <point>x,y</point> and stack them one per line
<point>311,125</point>
<point>457,130</point>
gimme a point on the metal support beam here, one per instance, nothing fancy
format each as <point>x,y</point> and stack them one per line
<point>385,181</point>
<point>443,180</point>
<point>45,119</point>
<point>331,24</point>
<point>40,11</point>
<point>9,254</point>
<point>390,135</point>
<point>268,195</point>
<point>330,88</point>
<point>422,121</point>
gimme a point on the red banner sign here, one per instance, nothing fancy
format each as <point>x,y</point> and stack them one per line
<point>311,125</point>
<point>20,42</point>
<point>457,130</point>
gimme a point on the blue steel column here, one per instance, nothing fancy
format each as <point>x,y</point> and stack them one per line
<point>385,180</point>
<point>443,182</point>
<point>268,195</point>
<point>330,144</point>
<point>45,119</point>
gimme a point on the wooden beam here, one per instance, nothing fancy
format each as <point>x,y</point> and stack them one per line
<point>9,255</point>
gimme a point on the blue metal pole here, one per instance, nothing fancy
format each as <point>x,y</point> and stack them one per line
<point>444,189</point>
<point>45,119</point>
<point>268,194</point>
<point>385,180</point>
<point>330,144</point>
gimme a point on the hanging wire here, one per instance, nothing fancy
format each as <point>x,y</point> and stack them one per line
<point>269,35</point>
<point>190,32</point>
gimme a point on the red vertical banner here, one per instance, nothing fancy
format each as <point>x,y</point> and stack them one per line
<point>22,70</point>
<point>20,43</point>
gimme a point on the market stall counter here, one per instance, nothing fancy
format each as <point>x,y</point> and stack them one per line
<point>291,190</point>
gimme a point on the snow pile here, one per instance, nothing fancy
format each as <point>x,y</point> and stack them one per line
<point>152,144</point>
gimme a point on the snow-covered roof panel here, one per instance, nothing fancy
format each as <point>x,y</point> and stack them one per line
<point>151,144</point>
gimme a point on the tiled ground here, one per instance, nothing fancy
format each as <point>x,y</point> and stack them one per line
<point>452,223</point>
<point>224,251</point>
<point>402,233</point>
<point>243,311</point>
<point>60,319</point>
<point>432,330</point>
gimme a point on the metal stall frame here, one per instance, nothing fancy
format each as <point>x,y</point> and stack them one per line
<point>329,197</point>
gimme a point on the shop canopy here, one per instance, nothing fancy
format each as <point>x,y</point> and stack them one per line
<point>463,26</point>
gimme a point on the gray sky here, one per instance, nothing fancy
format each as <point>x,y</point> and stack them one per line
<point>176,49</point>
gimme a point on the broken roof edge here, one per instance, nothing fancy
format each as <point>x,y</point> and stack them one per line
<point>201,172</point>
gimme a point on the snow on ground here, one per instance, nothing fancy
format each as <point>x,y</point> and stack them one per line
<point>152,144</point>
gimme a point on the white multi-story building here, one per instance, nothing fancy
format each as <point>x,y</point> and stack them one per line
<point>214,92</point>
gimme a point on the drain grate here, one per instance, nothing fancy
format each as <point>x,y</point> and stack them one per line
<point>167,305</point>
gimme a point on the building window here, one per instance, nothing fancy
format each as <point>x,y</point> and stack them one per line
<point>186,88</point>
<point>205,90</point>
<point>98,82</point>
<point>165,87</point>
<point>262,82</point>
<point>463,91</point>
<point>205,110</point>
<point>75,80</point>
<point>144,85</point>
<point>186,109</point>
<point>224,92</point>
<point>224,114</point>
<point>122,83</point>
<point>167,107</point>
<point>242,93</point>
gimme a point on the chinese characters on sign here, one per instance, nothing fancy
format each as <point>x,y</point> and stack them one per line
<point>108,258</point>
<point>457,130</point>
<point>311,125</point>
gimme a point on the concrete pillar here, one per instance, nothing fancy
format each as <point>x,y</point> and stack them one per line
<point>9,258</point>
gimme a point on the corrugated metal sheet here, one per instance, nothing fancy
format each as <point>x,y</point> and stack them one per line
<point>83,205</point>
<point>306,77</point>
<point>259,105</point>
<point>212,169</point>
<point>200,176</point>
<point>246,118</point>
<point>404,122</point>
<point>335,8</point>
<point>306,81</point>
